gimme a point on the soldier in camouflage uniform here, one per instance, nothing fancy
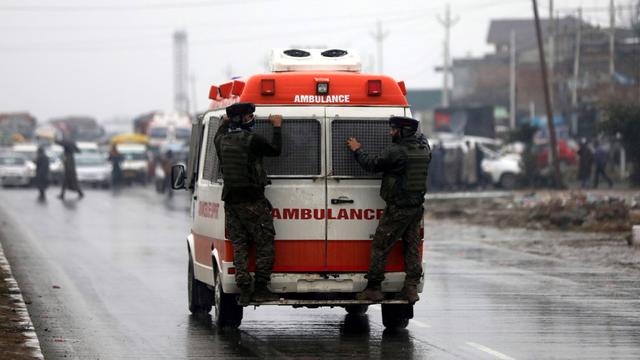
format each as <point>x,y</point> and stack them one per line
<point>247,210</point>
<point>404,166</point>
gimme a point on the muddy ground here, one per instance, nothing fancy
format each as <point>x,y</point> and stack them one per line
<point>591,227</point>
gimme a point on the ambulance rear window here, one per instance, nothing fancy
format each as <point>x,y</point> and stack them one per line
<point>301,150</point>
<point>372,134</point>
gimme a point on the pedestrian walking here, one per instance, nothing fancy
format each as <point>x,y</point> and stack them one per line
<point>41,180</point>
<point>601,157</point>
<point>116,159</point>
<point>585,163</point>
<point>247,210</point>
<point>404,165</point>
<point>70,178</point>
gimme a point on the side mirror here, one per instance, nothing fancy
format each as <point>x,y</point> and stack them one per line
<point>178,177</point>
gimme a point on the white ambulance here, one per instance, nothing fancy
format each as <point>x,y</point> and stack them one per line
<point>325,207</point>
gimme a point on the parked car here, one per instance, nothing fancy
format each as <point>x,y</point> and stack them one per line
<point>16,169</point>
<point>503,168</point>
<point>93,169</point>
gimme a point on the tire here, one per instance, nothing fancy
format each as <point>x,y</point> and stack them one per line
<point>227,313</point>
<point>508,181</point>
<point>200,296</point>
<point>356,309</point>
<point>396,316</point>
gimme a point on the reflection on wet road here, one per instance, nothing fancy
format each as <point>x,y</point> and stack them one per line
<point>106,278</point>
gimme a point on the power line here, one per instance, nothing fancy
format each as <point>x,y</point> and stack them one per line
<point>158,6</point>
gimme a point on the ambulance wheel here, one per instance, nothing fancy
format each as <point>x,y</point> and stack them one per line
<point>228,313</point>
<point>200,296</point>
<point>356,309</point>
<point>396,316</point>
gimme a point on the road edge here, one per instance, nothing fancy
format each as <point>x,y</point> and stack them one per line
<point>21,308</point>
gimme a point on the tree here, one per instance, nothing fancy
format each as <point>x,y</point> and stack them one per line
<point>624,119</point>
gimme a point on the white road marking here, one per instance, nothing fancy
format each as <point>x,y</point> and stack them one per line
<point>419,324</point>
<point>489,350</point>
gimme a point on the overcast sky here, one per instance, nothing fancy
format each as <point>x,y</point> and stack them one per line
<point>114,58</point>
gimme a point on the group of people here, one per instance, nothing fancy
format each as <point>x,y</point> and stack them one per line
<point>458,167</point>
<point>404,165</point>
<point>587,159</point>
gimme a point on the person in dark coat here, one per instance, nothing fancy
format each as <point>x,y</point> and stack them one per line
<point>41,180</point>
<point>585,163</point>
<point>116,160</point>
<point>70,178</point>
<point>601,157</point>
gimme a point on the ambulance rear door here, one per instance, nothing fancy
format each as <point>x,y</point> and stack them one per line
<point>353,202</point>
<point>297,189</point>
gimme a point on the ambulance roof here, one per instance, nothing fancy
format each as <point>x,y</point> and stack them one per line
<point>302,88</point>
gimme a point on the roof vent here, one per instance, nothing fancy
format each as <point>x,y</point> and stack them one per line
<point>297,53</point>
<point>334,53</point>
<point>315,60</point>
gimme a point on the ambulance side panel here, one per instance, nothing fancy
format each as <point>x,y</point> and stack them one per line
<point>208,230</point>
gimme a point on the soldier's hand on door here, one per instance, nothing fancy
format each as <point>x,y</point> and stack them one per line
<point>353,144</point>
<point>276,120</point>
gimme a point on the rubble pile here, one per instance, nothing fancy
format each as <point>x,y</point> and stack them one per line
<point>592,211</point>
<point>580,211</point>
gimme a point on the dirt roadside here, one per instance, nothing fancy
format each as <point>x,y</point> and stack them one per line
<point>592,227</point>
<point>17,337</point>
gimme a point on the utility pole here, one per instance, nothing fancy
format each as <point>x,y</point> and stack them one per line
<point>180,72</point>
<point>612,43</point>
<point>447,23</point>
<point>552,51</point>
<point>553,151</point>
<point>576,61</point>
<point>379,37</point>
<point>512,82</point>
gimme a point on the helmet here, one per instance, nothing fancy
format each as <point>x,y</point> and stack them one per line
<point>236,111</point>
<point>401,122</point>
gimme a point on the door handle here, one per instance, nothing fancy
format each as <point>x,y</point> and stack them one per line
<point>342,200</point>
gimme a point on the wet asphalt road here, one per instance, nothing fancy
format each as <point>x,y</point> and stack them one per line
<point>106,278</point>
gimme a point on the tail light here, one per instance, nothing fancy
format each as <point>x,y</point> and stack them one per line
<point>374,87</point>
<point>213,92</point>
<point>231,270</point>
<point>225,90</point>
<point>403,88</point>
<point>237,87</point>
<point>268,86</point>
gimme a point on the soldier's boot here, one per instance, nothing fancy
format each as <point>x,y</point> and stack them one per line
<point>372,293</point>
<point>262,293</point>
<point>245,296</point>
<point>409,293</point>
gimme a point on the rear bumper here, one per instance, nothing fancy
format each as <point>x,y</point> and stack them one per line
<point>306,283</point>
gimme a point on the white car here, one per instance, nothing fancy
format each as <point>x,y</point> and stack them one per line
<point>16,169</point>
<point>93,169</point>
<point>504,168</point>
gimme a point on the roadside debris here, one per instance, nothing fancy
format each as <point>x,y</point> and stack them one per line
<point>591,211</point>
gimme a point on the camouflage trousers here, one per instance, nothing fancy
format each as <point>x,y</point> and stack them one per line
<point>397,223</point>
<point>246,223</point>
